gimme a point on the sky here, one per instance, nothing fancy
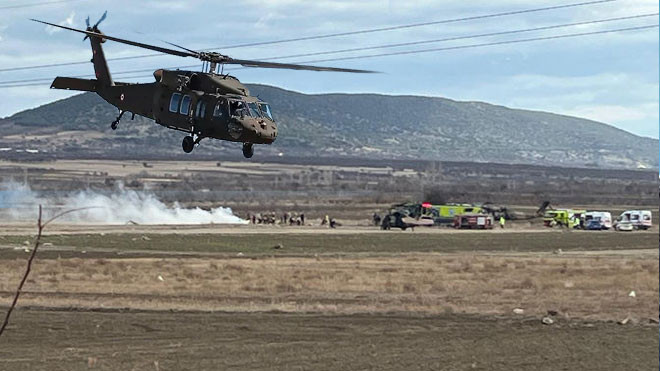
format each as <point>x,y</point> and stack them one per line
<point>612,77</point>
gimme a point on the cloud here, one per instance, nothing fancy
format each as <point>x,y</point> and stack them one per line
<point>68,21</point>
<point>627,100</point>
<point>172,5</point>
<point>617,113</point>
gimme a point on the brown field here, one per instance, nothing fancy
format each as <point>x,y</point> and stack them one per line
<point>594,288</point>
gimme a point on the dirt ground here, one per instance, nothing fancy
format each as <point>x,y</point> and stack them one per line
<point>133,340</point>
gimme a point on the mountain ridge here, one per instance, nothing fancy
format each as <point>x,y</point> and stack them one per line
<point>369,124</point>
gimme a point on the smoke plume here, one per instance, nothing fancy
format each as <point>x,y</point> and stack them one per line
<point>19,202</point>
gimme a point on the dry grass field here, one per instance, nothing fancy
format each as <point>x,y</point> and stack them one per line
<point>594,288</point>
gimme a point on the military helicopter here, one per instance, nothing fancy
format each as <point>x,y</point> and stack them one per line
<point>207,104</point>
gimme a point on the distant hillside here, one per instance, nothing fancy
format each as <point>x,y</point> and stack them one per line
<point>356,125</point>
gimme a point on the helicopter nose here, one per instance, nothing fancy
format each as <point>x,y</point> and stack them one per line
<point>268,130</point>
<point>264,130</point>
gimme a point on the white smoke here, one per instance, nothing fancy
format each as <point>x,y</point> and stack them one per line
<point>19,202</point>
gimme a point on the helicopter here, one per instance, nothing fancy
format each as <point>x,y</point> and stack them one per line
<point>206,104</point>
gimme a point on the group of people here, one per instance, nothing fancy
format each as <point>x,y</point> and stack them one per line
<point>292,219</point>
<point>272,218</point>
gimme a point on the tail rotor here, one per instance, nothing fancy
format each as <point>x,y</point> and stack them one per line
<point>94,28</point>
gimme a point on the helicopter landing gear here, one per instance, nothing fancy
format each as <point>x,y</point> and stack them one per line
<point>248,150</point>
<point>114,124</point>
<point>190,141</point>
<point>188,144</point>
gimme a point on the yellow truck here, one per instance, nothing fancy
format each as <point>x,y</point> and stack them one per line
<point>444,214</point>
<point>570,218</point>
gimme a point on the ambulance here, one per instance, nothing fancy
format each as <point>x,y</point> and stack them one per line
<point>604,217</point>
<point>640,219</point>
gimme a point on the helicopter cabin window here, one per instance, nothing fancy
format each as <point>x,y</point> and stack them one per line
<point>254,111</point>
<point>200,110</point>
<point>174,102</point>
<point>265,109</point>
<point>220,109</point>
<point>185,105</point>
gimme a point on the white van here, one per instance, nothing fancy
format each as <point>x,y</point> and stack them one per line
<point>604,217</point>
<point>640,219</point>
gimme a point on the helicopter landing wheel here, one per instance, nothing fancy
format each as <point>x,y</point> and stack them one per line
<point>188,144</point>
<point>113,126</point>
<point>248,150</point>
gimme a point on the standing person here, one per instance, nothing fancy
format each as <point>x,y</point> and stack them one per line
<point>502,221</point>
<point>302,218</point>
<point>376,219</point>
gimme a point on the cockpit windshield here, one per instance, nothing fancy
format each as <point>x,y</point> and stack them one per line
<point>254,111</point>
<point>237,108</point>
<point>265,109</point>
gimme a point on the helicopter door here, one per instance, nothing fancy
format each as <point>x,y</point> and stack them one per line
<point>221,111</point>
<point>200,109</point>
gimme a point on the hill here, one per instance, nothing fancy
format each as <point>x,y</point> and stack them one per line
<point>355,125</point>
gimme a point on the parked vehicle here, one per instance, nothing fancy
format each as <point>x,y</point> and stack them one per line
<point>444,214</point>
<point>624,226</point>
<point>604,217</point>
<point>595,225</point>
<point>564,218</point>
<point>473,221</point>
<point>640,219</point>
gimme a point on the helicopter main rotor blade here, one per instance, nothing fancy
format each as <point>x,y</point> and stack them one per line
<point>180,47</point>
<point>123,41</point>
<point>289,66</point>
<point>208,56</point>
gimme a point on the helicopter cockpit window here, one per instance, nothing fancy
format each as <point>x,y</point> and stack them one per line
<point>254,111</point>
<point>265,109</point>
<point>237,108</point>
<point>174,102</point>
<point>185,105</point>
